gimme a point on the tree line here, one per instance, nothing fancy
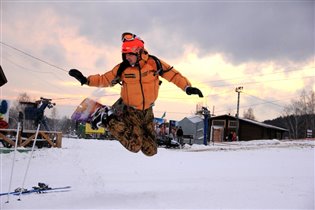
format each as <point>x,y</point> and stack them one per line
<point>298,117</point>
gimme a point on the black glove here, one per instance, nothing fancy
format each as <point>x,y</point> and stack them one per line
<point>78,75</point>
<point>193,90</point>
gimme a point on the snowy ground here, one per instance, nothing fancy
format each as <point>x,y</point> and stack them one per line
<point>241,175</point>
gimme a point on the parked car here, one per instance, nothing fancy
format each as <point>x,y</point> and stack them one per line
<point>168,142</point>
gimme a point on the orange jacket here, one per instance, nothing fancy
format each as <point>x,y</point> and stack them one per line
<point>140,87</point>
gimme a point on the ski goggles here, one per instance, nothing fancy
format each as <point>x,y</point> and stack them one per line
<point>127,36</point>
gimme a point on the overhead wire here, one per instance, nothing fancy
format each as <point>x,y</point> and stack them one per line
<point>36,58</point>
<point>258,75</point>
<point>266,101</point>
<point>31,70</point>
<point>257,104</point>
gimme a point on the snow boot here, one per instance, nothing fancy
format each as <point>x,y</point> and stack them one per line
<point>101,117</point>
<point>19,189</point>
<point>42,186</point>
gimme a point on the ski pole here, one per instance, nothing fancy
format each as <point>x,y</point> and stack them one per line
<point>29,161</point>
<point>13,161</point>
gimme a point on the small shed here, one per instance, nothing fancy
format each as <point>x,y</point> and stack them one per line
<point>193,126</point>
<point>221,126</point>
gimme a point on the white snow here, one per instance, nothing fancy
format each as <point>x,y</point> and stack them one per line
<point>267,174</point>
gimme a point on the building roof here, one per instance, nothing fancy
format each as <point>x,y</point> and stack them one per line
<point>253,122</point>
<point>193,119</point>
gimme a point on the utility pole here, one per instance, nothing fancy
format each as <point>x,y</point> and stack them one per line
<point>238,90</point>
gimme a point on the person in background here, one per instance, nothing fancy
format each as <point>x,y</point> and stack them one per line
<point>180,134</point>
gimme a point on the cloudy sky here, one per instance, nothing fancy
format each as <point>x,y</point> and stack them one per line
<point>267,47</point>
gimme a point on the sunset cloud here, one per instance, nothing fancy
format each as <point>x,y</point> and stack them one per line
<point>266,47</point>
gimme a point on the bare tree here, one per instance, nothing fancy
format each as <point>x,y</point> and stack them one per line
<point>66,125</point>
<point>16,108</point>
<point>300,114</point>
<point>249,114</point>
<point>53,118</point>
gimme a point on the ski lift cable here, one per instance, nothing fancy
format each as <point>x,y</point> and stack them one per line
<point>258,104</point>
<point>252,83</point>
<point>258,75</point>
<point>264,81</point>
<point>10,61</point>
<point>34,71</point>
<point>36,58</point>
<point>266,101</point>
<point>42,82</point>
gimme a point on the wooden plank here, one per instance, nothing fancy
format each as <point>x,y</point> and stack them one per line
<point>44,134</point>
<point>6,139</point>
<point>47,138</point>
<point>28,140</point>
<point>8,129</point>
<point>34,131</point>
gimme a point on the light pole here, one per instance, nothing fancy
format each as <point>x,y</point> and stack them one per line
<point>238,90</point>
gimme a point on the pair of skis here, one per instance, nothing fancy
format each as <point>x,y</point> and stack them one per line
<point>37,190</point>
<point>42,188</point>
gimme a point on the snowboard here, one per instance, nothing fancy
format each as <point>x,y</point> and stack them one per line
<point>84,112</point>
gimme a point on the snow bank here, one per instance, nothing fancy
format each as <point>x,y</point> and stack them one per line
<point>103,175</point>
<point>247,145</point>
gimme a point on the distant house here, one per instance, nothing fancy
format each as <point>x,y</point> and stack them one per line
<point>221,126</point>
<point>193,126</point>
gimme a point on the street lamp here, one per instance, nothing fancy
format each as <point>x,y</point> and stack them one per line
<point>238,90</point>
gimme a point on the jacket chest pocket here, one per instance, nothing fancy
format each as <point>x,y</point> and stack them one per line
<point>148,76</point>
<point>130,78</point>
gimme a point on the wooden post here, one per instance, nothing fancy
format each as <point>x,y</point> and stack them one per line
<point>20,138</point>
<point>59,139</point>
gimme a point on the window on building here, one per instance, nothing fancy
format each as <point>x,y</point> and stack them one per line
<point>232,123</point>
<point>219,123</point>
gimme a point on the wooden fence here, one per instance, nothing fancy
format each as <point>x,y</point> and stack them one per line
<point>53,138</point>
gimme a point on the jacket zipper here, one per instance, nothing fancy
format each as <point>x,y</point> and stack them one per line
<point>140,80</point>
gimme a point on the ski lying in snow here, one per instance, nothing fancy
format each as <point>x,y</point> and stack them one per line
<point>38,190</point>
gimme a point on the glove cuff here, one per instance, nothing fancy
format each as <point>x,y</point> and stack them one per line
<point>185,89</point>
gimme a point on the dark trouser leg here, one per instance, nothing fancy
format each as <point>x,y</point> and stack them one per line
<point>126,129</point>
<point>149,145</point>
<point>135,130</point>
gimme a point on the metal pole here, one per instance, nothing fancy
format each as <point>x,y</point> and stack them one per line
<point>13,161</point>
<point>29,161</point>
<point>205,130</point>
<point>238,90</point>
<point>206,114</point>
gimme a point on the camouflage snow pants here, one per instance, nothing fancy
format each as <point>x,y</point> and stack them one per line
<point>134,129</point>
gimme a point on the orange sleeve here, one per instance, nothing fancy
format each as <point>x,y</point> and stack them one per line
<point>174,76</point>
<point>104,80</point>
